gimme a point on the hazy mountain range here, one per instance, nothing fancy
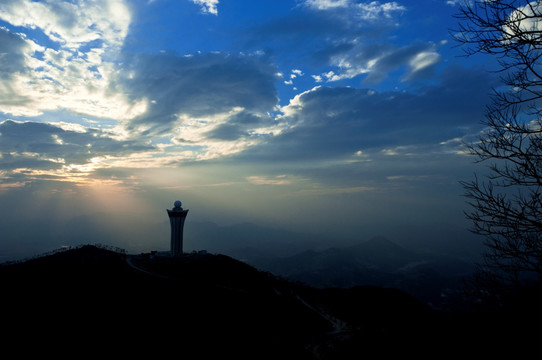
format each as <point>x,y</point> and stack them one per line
<point>431,276</point>
<point>431,272</point>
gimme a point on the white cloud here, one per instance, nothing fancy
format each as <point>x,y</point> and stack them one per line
<point>69,67</point>
<point>71,24</point>
<point>222,134</point>
<point>377,60</point>
<point>200,107</point>
<point>525,20</point>
<point>317,78</point>
<point>423,60</point>
<point>62,151</point>
<point>273,180</point>
<point>327,4</point>
<point>207,6</point>
<point>373,10</point>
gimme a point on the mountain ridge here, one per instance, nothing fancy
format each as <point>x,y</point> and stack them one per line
<point>432,278</point>
<point>213,300</point>
<point>89,299</point>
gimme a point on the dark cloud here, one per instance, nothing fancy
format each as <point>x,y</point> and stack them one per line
<point>389,59</point>
<point>330,122</point>
<point>11,62</point>
<point>315,37</point>
<point>293,32</point>
<point>197,85</point>
<point>375,59</point>
<point>313,26</point>
<point>228,132</point>
<point>11,54</point>
<point>350,39</point>
<point>239,125</point>
<point>44,146</point>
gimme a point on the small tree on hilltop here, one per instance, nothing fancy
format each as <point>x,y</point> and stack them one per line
<point>506,203</point>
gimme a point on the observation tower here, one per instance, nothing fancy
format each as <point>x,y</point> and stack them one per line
<point>176,218</point>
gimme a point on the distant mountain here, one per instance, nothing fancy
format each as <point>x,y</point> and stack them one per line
<point>248,241</point>
<point>297,256</point>
<point>432,278</point>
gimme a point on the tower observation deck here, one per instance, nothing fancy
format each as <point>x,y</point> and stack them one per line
<point>177,217</point>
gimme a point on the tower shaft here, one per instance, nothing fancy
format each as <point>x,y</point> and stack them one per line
<point>176,219</point>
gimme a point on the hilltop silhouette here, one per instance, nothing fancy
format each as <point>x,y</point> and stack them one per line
<point>92,299</point>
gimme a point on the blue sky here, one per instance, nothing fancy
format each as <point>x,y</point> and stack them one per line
<point>338,117</point>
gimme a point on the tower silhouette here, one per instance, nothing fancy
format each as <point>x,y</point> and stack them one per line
<point>177,217</point>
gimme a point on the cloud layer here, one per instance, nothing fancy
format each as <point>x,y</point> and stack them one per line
<point>197,85</point>
<point>331,122</point>
<point>67,58</point>
<point>264,111</point>
<point>33,151</point>
<point>202,106</point>
<point>208,6</point>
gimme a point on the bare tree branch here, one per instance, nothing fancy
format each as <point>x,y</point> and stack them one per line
<point>506,204</point>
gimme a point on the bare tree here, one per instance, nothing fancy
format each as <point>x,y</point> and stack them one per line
<point>511,30</point>
<point>506,203</point>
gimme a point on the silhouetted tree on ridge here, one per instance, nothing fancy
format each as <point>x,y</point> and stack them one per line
<point>506,204</point>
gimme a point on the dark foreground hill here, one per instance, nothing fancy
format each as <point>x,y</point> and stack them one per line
<point>91,301</point>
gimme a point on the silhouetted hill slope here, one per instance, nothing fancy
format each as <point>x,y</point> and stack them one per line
<point>92,301</point>
<point>202,303</point>
<point>210,304</point>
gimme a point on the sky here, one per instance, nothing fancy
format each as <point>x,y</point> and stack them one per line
<point>343,118</point>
